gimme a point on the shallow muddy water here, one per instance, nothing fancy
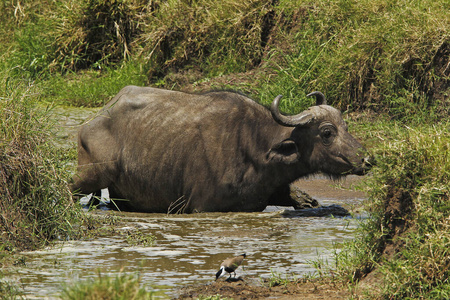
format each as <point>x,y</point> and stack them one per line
<point>188,249</point>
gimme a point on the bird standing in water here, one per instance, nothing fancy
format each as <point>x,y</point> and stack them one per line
<point>230,265</point>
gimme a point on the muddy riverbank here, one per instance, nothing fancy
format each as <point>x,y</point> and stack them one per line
<point>251,288</point>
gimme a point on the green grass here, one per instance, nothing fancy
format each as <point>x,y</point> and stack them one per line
<point>408,215</point>
<point>36,205</point>
<point>9,291</point>
<point>91,88</point>
<point>140,239</point>
<point>120,287</point>
<point>276,279</point>
<point>214,37</point>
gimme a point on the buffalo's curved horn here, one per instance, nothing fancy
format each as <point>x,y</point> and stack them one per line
<point>301,119</point>
<point>320,98</point>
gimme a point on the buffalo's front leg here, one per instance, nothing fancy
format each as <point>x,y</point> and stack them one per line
<point>88,180</point>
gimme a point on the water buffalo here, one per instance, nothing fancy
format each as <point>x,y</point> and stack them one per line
<point>169,151</point>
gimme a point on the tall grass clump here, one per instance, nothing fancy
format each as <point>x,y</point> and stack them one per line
<point>35,202</point>
<point>406,239</point>
<point>93,33</point>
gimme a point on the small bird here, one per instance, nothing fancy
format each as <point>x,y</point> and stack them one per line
<point>230,265</point>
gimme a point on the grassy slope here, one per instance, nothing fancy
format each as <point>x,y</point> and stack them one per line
<point>405,241</point>
<point>384,55</point>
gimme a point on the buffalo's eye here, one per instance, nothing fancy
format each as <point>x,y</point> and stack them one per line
<point>327,133</point>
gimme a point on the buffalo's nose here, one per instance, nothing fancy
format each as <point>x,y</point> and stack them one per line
<point>368,162</point>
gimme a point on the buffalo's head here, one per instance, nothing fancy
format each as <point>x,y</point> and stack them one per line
<point>321,141</point>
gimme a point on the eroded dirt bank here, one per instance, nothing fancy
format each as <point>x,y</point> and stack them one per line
<point>249,289</point>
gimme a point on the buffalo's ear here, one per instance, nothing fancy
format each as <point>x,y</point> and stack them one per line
<point>284,152</point>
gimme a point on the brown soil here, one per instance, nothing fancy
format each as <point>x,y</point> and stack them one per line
<point>250,288</point>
